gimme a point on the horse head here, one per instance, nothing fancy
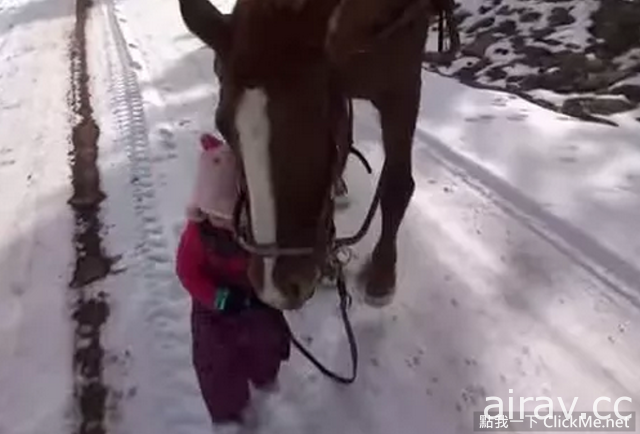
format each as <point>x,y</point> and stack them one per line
<point>284,114</point>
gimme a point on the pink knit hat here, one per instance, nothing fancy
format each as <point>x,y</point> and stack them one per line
<point>216,186</point>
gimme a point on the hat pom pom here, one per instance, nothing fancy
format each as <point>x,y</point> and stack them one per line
<point>209,142</point>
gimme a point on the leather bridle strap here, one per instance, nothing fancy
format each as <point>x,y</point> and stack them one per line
<point>273,250</point>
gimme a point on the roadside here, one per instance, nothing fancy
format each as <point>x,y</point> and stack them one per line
<point>579,57</point>
<point>36,224</point>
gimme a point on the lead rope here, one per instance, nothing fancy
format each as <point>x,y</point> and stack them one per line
<point>345,303</point>
<point>335,269</point>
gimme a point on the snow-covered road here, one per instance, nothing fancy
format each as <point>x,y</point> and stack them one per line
<point>519,259</point>
<point>36,224</point>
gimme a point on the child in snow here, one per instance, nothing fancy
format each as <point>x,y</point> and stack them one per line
<point>236,338</point>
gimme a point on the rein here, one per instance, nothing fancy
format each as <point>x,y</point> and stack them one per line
<point>335,267</point>
<point>345,303</point>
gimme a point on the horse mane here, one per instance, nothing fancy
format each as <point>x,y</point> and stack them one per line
<point>279,37</point>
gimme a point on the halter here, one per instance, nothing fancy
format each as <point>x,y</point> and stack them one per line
<point>241,215</point>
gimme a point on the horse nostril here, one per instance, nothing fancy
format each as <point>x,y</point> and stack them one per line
<point>298,292</point>
<point>294,289</point>
<point>294,280</point>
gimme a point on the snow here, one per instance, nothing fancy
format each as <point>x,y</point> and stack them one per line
<point>517,38</point>
<point>35,222</point>
<point>577,34</point>
<point>519,264</point>
<point>632,80</point>
<point>629,60</point>
<point>584,173</point>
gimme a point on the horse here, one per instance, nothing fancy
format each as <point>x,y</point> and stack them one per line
<point>288,70</point>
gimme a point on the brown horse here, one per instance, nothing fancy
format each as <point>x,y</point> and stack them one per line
<point>287,70</point>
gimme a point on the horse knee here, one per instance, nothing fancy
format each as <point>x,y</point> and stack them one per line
<point>398,188</point>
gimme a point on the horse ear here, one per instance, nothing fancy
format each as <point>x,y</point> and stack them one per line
<point>206,22</point>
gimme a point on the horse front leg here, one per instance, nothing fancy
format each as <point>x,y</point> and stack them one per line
<point>398,115</point>
<point>339,188</point>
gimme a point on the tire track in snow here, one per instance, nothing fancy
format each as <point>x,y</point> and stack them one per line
<point>163,380</point>
<point>89,312</point>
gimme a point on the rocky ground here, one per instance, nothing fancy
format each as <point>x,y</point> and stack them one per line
<point>580,57</point>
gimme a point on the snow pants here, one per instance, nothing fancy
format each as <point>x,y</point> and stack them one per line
<point>231,351</point>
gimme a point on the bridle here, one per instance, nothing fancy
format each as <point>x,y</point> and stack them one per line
<point>241,215</point>
<point>334,265</point>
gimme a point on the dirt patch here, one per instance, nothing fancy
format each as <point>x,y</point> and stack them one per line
<point>89,312</point>
<point>90,391</point>
<point>523,47</point>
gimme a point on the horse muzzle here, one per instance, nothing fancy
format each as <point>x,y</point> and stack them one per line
<point>285,283</point>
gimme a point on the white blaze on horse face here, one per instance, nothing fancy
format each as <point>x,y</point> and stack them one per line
<point>333,19</point>
<point>332,25</point>
<point>254,134</point>
<point>254,131</point>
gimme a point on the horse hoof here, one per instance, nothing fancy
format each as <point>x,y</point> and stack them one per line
<point>379,301</point>
<point>379,283</point>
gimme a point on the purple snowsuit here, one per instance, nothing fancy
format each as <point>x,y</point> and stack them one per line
<point>229,351</point>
